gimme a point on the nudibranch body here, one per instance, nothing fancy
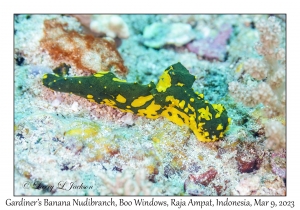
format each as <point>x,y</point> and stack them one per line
<point>172,97</point>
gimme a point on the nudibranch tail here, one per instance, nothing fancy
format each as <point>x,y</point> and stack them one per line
<point>172,97</point>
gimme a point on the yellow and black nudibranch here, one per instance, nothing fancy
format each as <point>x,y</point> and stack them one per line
<point>172,97</point>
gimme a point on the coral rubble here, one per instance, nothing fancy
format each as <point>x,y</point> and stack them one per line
<point>85,52</point>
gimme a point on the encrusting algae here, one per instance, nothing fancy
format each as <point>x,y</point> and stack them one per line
<point>172,97</point>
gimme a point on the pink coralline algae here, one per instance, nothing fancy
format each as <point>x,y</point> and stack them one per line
<point>212,48</point>
<point>195,184</point>
<point>249,158</point>
<point>204,178</point>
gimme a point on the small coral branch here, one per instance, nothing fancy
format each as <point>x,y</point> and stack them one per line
<point>275,132</point>
<point>265,79</point>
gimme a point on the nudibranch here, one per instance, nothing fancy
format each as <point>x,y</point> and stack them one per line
<point>172,97</point>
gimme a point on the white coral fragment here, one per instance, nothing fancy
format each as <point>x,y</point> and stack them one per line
<point>110,25</point>
<point>129,183</point>
<point>247,186</point>
<point>160,34</point>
